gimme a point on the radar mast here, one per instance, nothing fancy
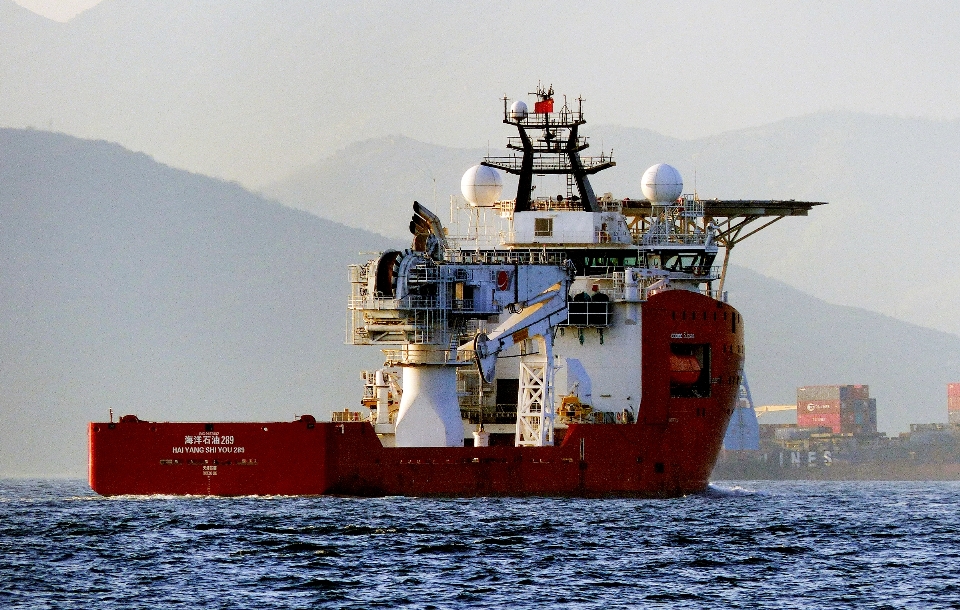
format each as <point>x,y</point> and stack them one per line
<point>555,151</point>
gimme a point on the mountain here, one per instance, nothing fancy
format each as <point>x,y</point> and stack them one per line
<point>252,91</point>
<point>132,286</point>
<point>793,339</point>
<point>887,241</point>
<point>371,184</point>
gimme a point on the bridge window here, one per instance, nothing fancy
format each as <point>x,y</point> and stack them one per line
<point>687,262</point>
<point>543,227</point>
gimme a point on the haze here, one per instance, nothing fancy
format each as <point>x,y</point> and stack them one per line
<point>253,91</point>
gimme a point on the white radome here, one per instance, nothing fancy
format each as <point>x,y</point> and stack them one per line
<point>661,183</point>
<point>518,110</point>
<point>481,185</point>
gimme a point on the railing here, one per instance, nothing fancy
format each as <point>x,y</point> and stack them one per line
<point>703,274</point>
<point>671,238</point>
<point>589,313</point>
<point>347,416</point>
<point>609,205</point>
<point>507,257</point>
<point>407,303</point>
<point>554,164</point>
<point>719,295</point>
<point>404,355</point>
<point>584,236</point>
<point>376,303</point>
<point>560,118</point>
<point>541,147</point>
<point>358,274</point>
<point>547,204</point>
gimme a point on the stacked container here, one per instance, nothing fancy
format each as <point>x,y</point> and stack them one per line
<point>845,409</point>
<point>953,403</point>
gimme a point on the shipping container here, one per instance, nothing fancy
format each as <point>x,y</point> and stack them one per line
<point>818,393</point>
<point>859,415</point>
<point>818,406</point>
<point>770,431</point>
<point>858,405</point>
<point>953,402</point>
<point>860,392</point>
<point>851,409</point>
<point>786,434</point>
<point>820,420</point>
<point>833,392</point>
<point>953,389</point>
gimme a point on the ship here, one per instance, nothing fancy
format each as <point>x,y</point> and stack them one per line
<point>558,344</point>
<point>835,438</point>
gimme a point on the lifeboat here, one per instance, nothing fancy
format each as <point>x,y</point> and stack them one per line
<point>684,370</point>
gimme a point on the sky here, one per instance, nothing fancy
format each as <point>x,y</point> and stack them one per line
<point>254,91</point>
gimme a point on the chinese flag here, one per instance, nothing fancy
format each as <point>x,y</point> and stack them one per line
<point>544,107</point>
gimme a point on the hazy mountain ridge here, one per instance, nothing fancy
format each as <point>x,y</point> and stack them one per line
<point>137,287</point>
<point>372,184</point>
<point>134,286</point>
<point>251,91</point>
<point>794,339</point>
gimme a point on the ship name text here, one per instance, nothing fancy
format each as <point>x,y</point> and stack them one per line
<point>208,444</point>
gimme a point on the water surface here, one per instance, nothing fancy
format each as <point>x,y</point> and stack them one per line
<point>739,545</point>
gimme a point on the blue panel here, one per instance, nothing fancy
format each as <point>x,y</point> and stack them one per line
<point>743,432</point>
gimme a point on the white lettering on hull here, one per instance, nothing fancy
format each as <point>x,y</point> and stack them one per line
<point>208,450</point>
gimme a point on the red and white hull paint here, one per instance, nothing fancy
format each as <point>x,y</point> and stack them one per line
<point>532,327</point>
<point>670,450</point>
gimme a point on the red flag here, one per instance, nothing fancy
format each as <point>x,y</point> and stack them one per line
<point>544,107</point>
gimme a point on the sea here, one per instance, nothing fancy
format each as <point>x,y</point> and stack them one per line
<point>747,544</point>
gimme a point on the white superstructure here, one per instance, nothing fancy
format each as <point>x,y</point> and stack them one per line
<point>530,317</point>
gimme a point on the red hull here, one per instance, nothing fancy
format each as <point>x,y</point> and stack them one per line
<point>669,451</point>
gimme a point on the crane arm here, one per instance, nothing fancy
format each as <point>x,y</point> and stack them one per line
<point>537,318</point>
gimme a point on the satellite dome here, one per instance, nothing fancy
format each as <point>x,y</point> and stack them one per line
<point>518,110</point>
<point>661,183</point>
<point>481,185</point>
